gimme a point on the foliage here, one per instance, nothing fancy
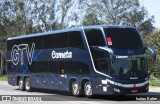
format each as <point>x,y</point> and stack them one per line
<point>19,17</point>
<point>154,81</point>
<point>3,78</point>
<point>118,12</point>
<point>153,40</point>
<point>91,19</point>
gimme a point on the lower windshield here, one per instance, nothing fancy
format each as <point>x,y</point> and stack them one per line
<point>129,66</point>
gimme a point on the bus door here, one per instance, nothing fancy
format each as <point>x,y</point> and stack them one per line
<point>62,77</point>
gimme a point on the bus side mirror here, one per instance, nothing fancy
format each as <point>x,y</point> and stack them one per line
<point>153,53</point>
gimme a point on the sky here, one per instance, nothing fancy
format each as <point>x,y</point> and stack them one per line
<point>153,7</point>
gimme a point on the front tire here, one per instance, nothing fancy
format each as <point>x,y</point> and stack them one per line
<point>75,89</point>
<point>88,89</point>
<point>28,84</point>
<point>21,84</point>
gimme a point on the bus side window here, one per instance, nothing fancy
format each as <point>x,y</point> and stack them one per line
<point>75,40</point>
<point>10,44</point>
<point>48,41</point>
<point>61,40</point>
<point>27,41</point>
<point>33,67</point>
<point>95,37</point>
<point>61,67</point>
<point>53,66</point>
<point>101,60</point>
<point>42,66</point>
<point>38,42</point>
<point>83,68</point>
<point>76,67</point>
<point>70,67</point>
<point>18,41</point>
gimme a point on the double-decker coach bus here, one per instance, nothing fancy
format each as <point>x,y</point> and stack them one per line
<point>86,60</point>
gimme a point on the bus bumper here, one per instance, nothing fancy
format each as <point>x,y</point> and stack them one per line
<point>117,90</point>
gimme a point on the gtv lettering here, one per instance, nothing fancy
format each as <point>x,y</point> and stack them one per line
<point>66,54</point>
<point>18,51</point>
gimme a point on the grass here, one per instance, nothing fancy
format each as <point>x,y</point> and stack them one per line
<point>153,81</point>
<point>3,78</point>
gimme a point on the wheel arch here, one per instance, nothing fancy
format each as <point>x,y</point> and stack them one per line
<point>18,77</point>
<point>70,83</point>
<point>84,80</point>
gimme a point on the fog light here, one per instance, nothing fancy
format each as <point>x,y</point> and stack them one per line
<point>116,90</point>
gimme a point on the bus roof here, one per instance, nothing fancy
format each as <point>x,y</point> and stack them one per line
<point>67,30</point>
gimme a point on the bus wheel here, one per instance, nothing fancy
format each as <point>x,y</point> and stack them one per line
<point>75,89</point>
<point>27,84</point>
<point>88,89</point>
<point>21,84</point>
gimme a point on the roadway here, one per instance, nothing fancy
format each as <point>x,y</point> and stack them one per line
<point>64,98</point>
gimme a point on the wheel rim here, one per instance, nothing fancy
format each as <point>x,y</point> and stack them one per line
<point>27,84</point>
<point>88,89</point>
<point>20,84</point>
<point>75,88</point>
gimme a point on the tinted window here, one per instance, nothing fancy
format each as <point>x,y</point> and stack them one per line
<point>48,42</point>
<point>61,66</point>
<point>61,40</point>
<point>53,66</point>
<point>70,67</point>
<point>75,40</point>
<point>103,66</point>
<point>95,37</point>
<point>10,45</point>
<point>38,42</point>
<point>33,67</point>
<point>76,67</point>
<point>18,41</point>
<point>123,38</point>
<point>101,61</point>
<point>27,41</point>
<point>42,66</point>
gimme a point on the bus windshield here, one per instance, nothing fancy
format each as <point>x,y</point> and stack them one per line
<point>129,66</point>
<point>123,38</point>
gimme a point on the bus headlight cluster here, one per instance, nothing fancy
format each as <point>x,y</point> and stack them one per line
<point>116,90</point>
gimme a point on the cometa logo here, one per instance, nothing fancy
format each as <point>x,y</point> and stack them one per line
<point>19,50</point>
<point>66,54</point>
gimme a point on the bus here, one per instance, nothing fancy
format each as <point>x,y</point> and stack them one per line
<point>88,60</point>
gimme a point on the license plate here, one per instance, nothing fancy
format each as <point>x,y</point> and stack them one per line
<point>134,91</point>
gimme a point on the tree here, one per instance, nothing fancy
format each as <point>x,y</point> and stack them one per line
<point>147,27</point>
<point>43,15</point>
<point>91,19</point>
<point>153,40</point>
<point>118,12</point>
<point>64,6</point>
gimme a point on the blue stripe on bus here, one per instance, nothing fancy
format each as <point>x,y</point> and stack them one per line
<point>24,71</point>
<point>48,80</point>
<point>59,82</point>
<point>38,80</point>
<point>35,58</point>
